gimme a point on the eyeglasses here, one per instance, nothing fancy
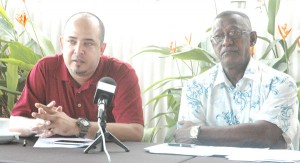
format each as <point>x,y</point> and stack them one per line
<point>232,34</point>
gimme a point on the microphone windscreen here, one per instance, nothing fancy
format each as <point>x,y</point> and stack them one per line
<point>108,80</point>
<point>105,90</point>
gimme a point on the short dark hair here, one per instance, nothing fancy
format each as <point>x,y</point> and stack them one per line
<point>243,15</point>
<point>88,14</point>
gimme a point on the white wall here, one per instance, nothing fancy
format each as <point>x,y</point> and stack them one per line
<point>134,24</point>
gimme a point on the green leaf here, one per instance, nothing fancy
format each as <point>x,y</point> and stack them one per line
<point>3,49</point>
<point>197,54</point>
<point>38,36</point>
<point>280,64</point>
<point>208,29</point>
<point>292,47</point>
<point>152,49</point>
<point>159,115</point>
<point>273,8</point>
<point>11,82</point>
<point>7,32</point>
<point>156,98</point>
<point>170,134</point>
<point>171,121</point>
<point>5,89</point>
<point>269,48</point>
<point>299,100</point>
<point>19,63</point>
<point>264,38</point>
<point>270,62</point>
<point>168,79</point>
<point>23,53</point>
<point>148,134</point>
<point>4,16</point>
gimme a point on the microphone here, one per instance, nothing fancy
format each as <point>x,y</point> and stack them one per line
<point>104,94</point>
<point>105,90</point>
<point>103,97</point>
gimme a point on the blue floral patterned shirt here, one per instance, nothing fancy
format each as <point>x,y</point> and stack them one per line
<point>262,94</point>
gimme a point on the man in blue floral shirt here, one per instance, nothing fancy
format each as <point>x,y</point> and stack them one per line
<point>239,102</point>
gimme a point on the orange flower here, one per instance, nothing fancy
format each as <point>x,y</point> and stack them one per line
<point>298,42</point>
<point>173,48</point>
<point>284,32</point>
<point>21,17</point>
<point>189,39</point>
<point>252,50</point>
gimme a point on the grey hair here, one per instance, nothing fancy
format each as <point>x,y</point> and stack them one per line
<point>243,15</point>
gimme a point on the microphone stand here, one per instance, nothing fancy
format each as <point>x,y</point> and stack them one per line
<point>107,134</point>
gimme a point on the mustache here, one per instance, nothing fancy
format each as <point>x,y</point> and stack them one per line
<point>77,58</point>
<point>229,49</point>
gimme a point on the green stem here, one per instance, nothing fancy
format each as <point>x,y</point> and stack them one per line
<point>179,71</point>
<point>43,54</point>
<point>265,7</point>
<point>285,55</point>
<point>276,51</point>
<point>215,3</point>
<point>4,4</point>
<point>190,68</point>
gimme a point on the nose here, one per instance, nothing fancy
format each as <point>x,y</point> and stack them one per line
<point>79,49</point>
<point>227,41</point>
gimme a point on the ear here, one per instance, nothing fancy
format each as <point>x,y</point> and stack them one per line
<point>253,38</point>
<point>102,48</point>
<point>211,41</point>
<point>61,39</point>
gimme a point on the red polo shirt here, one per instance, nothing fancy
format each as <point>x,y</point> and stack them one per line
<point>50,80</point>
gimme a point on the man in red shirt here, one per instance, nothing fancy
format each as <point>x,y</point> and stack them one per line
<point>59,91</point>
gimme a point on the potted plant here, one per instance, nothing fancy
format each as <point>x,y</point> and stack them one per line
<point>16,57</point>
<point>197,60</point>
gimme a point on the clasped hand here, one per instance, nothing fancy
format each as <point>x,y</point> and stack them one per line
<point>182,134</point>
<point>51,120</point>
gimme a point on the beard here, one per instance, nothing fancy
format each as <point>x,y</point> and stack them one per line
<point>77,70</point>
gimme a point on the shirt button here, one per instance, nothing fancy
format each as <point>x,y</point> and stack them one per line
<point>79,105</point>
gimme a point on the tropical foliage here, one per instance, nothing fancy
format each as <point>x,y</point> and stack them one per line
<point>281,56</point>
<point>18,56</point>
<point>197,60</point>
<point>200,58</point>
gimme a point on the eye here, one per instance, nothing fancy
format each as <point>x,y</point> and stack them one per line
<point>234,33</point>
<point>219,37</point>
<point>71,41</point>
<point>89,43</point>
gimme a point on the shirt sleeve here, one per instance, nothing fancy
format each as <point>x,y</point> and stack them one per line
<point>281,107</point>
<point>127,103</point>
<point>193,101</point>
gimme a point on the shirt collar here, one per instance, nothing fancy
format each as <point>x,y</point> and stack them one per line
<point>220,78</point>
<point>251,72</point>
<point>61,69</point>
<point>64,75</point>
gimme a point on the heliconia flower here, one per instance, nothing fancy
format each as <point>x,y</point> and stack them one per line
<point>189,39</point>
<point>173,47</point>
<point>284,32</point>
<point>21,17</point>
<point>252,50</point>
